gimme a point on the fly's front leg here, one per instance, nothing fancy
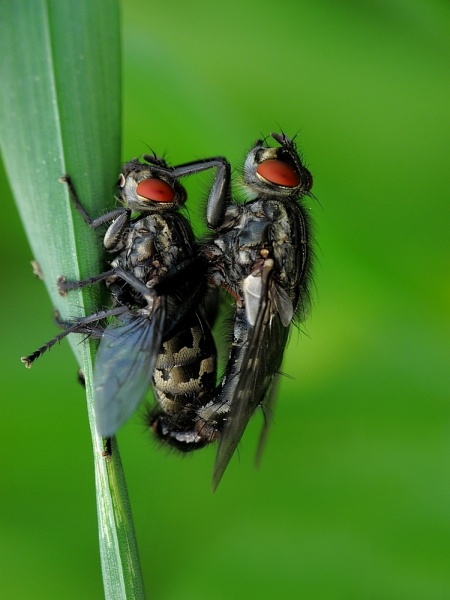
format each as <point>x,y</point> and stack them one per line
<point>121,219</point>
<point>93,223</point>
<point>120,216</point>
<point>220,194</point>
<point>112,236</point>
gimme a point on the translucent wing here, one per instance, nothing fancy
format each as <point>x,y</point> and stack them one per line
<point>267,407</point>
<point>257,361</point>
<point>124,365</point>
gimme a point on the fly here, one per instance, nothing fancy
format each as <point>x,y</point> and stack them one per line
<point>261,254</point>
<point>159,333</point>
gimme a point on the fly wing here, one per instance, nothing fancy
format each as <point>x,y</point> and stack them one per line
<point>124,365</point>
<point>267,408</point>
<point>261,357</point>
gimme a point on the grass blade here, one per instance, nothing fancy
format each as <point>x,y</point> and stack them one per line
<point>60,113</point>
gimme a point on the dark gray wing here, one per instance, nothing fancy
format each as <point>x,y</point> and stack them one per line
<point>267,409</point>
<point>257,361</point>
<point>124,365</point>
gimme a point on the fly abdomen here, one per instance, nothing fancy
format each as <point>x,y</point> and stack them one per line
<point>185,366</point>
<point>183,431</point>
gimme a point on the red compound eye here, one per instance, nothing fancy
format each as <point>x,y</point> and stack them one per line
<point>279,172</point>
<point>156,190</point>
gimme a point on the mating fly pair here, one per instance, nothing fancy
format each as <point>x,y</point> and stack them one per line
<point>160,334</point>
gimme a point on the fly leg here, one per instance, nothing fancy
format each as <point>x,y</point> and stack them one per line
<point>121,212</point>
<point>120,216</point>
<point>77,326</point>
<point>168,284</point>
<point>93,331</point>
<point>65,286</point>
<point>220,195</point>
<point>148,293</point>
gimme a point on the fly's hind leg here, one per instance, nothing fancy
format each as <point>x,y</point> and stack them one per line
<point>93,331</point>
<point>81,325</point>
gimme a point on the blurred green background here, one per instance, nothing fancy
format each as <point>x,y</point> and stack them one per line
<point>353,496</point>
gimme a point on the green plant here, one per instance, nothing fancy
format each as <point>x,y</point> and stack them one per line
<point>60,113</point>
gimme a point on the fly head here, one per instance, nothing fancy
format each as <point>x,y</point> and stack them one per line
<point>150,187</point>
<point>278,171</point>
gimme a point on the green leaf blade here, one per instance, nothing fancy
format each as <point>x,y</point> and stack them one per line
<point>60,114</point>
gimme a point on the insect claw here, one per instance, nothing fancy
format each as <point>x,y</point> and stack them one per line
<point>58,320</point>
<point>28,360</point>
<point>61,284</point>
<point>37,270</point>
